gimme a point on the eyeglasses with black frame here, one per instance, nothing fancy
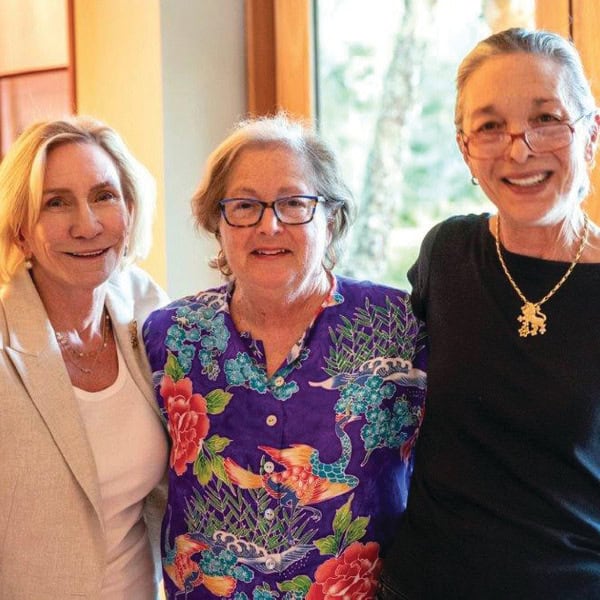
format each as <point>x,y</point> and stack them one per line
<point>486,144</point>
<point>291,210</point>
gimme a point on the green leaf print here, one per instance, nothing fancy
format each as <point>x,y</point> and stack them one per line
<point>327,545</point>
<point>218,468</point>
<point>202,469</point>
<point>216,444</point>
<point>343,517</point>
<point>173,368</point>
<point>217,401</point>
<point>301,583</point>
<point>356,530</point>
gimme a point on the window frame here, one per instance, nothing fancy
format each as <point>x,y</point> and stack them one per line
<point>280,60</point>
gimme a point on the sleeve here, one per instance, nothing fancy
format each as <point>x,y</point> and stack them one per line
<point>154,332</point>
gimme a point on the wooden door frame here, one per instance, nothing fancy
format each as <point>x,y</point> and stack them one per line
<point>279,57</point>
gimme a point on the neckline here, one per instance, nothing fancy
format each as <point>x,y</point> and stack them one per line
<point>112,389</point>
<point>524,259</point>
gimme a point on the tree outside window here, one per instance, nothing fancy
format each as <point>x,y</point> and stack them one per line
<point>385,102</point>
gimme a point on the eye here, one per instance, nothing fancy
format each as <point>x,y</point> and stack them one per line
<point>294,202</point>
<point>489,127</point>
<point>547,119</point>
<point>55,202</point>
<point>244,205</point>
<point>106,196</point>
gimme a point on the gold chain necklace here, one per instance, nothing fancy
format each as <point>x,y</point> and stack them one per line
<point>532,319</point>
<point>74,355</point>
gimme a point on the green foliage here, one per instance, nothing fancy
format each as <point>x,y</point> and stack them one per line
<point>209,462</point>
<point>346,530</point>
<point>373,331</point>
<point>217,401</point>
<point>223,507</point>
<point>301,583</point>
<point>173,368</point>
<point>435,182</point>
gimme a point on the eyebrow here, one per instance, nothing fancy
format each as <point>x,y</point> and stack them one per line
<point>98,186</point>
<point>291,190</point>
<point>490,109</point>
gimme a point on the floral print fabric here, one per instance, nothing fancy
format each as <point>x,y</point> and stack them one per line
<point>286,487</point>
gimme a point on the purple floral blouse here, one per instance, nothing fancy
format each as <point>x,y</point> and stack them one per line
<point>290,486</point>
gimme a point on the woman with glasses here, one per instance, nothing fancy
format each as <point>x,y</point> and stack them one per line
<point>293,397</point>
<point>505,498</point>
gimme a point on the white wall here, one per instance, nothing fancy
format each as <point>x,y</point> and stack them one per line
<point>169,75</point>
<point>203,86</point>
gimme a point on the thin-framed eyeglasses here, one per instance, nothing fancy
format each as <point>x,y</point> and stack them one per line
<point>546,138</point>
<point>291,210</point>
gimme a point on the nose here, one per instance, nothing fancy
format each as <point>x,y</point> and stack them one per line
<point>518,149</point>
<point>85,223</point>
<point>269,223</point>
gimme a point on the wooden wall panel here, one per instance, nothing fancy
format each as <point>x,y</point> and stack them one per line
<point>260,57</point>
<point>279,56</point>
<point>294,64</point>
<point>553,15</point>
<point>586,21</point>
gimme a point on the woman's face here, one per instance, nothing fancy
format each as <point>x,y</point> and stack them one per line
<point>513,93</point>
<point>272,255</point>
<point>82,230</point>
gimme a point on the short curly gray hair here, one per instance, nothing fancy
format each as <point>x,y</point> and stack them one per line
<point>278,130</point>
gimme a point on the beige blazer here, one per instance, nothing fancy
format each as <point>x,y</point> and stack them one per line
<point>51,530</point>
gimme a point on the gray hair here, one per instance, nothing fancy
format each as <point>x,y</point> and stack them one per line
<point>544,44</point>
<point>540,43</point>
<point>279,130</point>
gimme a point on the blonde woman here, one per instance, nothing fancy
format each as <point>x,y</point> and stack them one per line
<point>81,442</point>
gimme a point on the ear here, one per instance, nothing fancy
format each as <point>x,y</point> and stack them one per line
<point>329,232</point>
<point>590,147</point>
<point>463,150</point>
<point>22,243</point>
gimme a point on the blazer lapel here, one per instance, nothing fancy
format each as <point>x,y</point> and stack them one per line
<point>127,332</point>
<point>35,354</point>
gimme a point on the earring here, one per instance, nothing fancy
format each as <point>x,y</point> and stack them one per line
<point>474,180</point>
<point>28,264</point>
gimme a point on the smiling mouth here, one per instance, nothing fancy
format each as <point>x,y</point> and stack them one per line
<point>528,181</point>
<point>270,252</point>
<point>92,254</point>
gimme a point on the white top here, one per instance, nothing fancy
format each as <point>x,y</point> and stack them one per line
<point>130,450</point>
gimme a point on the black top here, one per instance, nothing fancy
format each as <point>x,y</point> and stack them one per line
<point>505,497</point>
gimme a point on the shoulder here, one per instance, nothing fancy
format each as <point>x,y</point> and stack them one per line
<point>360,292</point>
<point>459,225</point>
<point>204,303</point>
<point>137,283</point>
<point>365,287</point>
<point>454,236</point>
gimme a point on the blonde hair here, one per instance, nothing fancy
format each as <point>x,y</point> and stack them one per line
<point>279,130</point>
<point>22,175</point>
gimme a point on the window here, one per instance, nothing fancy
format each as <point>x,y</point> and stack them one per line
<point>288,28</point>
<point>385,102</point>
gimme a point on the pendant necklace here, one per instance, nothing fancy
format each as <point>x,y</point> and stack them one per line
<point>74,355</point>
<point>532,320</point>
